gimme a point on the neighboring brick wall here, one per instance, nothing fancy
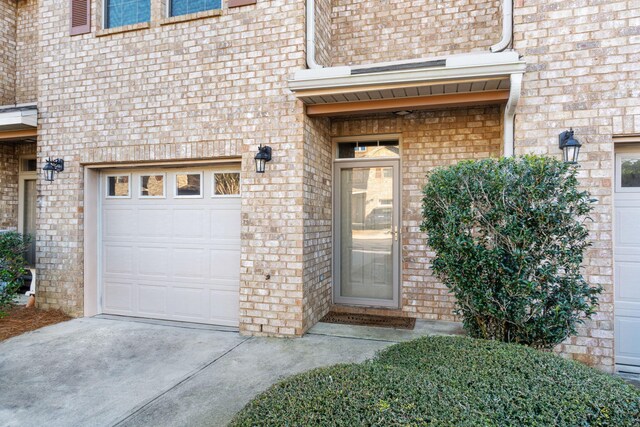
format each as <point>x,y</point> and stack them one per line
<point>7,52</point>
<point>367,31</point>
<point>583,72</point>
<point>27,55</point>
<point>318,158</point>
<point>428,139</point>
<point>202,89</point>
<point>8,186</point>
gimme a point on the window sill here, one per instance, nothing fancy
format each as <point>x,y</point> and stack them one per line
<point>123,29</point>
<point>191,16</point>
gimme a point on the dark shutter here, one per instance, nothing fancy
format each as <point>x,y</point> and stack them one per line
<point>80,17</point>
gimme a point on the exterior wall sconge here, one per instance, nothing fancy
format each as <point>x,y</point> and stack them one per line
<point>51,168</point>
<point>570,146</point>
<point>263,156</point>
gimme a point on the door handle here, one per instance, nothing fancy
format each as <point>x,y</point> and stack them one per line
<point>395,233</point>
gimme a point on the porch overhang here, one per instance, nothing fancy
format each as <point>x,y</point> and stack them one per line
<point>18,121</point>
<point>458,80</point>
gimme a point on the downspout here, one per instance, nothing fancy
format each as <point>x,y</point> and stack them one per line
<point>510,114</point>
<point>311,35</point>
<point>507,27</point>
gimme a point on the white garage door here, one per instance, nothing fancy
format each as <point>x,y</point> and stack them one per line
<point>171,244</point>
<point>627,261</point>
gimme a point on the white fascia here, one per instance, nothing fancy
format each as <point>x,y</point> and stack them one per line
<point>468,66</point>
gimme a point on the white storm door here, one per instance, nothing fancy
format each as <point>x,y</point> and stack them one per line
<point>366,233</point>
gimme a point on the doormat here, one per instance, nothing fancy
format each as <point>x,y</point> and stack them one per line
<point>369,320</point>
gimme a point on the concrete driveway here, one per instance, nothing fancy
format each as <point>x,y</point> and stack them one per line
<point>108,371</point>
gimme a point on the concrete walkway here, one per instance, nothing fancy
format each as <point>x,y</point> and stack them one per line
<point>112,371</point>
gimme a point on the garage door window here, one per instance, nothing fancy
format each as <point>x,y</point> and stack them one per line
<point>152,186</point>
<point>118,186</point>
<point>188,185</point>
<point>628,173</point>
<point>226,183</point>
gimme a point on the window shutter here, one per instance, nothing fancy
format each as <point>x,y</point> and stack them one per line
<point>80,17</point>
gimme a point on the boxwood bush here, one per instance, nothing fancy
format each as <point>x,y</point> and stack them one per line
<point>449,381</point>
<point>509,238</point>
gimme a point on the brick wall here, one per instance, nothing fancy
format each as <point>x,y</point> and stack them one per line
<point>377,31</point>
<point>7,51</point>
<point>27,55</point>
<point>318,158</point>
<point>583,71</point>
<point>209,88</point>
<point>428,139</point>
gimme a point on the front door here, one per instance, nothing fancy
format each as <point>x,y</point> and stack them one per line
<point>366,233</point>
<point>627,260</point>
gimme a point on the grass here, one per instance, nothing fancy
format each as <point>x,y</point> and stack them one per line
<point>449,381</point>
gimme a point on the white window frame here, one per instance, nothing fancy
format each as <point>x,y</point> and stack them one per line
<point>618,175</point>
<point>106,186</point>
<point>164,185</point>
<point>175,185</point>
<point>213,184</point>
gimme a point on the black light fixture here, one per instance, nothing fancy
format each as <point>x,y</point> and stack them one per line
<point>570,146</point>
<point>263,156</point>
<point>51,168</point>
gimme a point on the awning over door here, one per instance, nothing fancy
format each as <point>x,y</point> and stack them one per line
<point>459,80</point>
<point>18,122</point>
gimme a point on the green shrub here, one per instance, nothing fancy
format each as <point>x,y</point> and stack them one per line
<point>449,381</point>
<point>509,238</point>
<point>12,266</point>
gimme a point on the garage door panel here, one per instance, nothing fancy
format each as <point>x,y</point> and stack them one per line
<point>118,259</point>
<point>225,224</point>
<point>172,258</point>
<point>189,303</point>
<point>154,261</point>
<point>153,222</point>
<point>152,299</point>
<point>227,304</point>
<point>189,224</point>
<point>189,263</point>
<point>628,231</point>
<point>225,263</point>
<point>118,297</point>
<point>118,222</point>
<point>627,336</point>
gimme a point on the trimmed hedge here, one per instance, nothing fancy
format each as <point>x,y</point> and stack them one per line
<point>449,381</point>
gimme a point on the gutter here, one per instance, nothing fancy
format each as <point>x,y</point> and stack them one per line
<point>311,35</point>
<point>510,114</point>
<point>507,27</point>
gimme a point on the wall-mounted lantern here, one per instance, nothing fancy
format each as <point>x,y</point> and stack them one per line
<point>51,168</point>
<point>263,156</point>
<point>570,146</point>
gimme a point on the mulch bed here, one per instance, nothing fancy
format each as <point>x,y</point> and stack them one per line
<point>21,319</point>
<point>369,320</point>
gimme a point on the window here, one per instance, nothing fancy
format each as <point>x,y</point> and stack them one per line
<point>29,165</point>
<point>184,7</point>
<point>629,172</point>
<point>152,186</point>
<point>189,184</point>
<point>127,12</point>
<point>226,183</point>
<point>368,149</point>
<point>118,186</point>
